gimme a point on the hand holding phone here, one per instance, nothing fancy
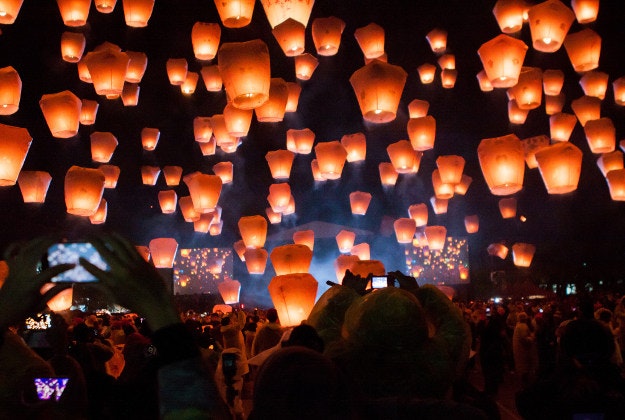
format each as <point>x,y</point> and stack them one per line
<point>70,253</point>
<point>50,387</point>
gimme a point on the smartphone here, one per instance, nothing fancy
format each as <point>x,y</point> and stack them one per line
<point>38,322</point>
<point>379,282</point>
<point>48,388</point>
<point>70,253</point>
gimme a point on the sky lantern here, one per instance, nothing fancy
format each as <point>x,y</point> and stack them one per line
<point>549,23</point>
<point>278,11</point>
<point>290,207</point>
<point>516,115</point>
<point>235,13</point>
<point>83,190</point>
<point>388,174</point>
<point>9,9</point>
<point>168,200</point>
<point>220,131</point>
<point>419,213</point>
<point>594,83</point>
<point>107,67</point>
<point>10,91</point>
<point>448,78</point>
<point>300,141</point>
<point>255,260</point>
<point>294,90</point>
<point>439,205</point>
<point>345,240</point>
<point>163,252</point>
<point>240,248</point>
<point>229,290</point>
<point>422,132</point>
<point>403,157</point>
<point>273,216</point>
<point>502,58</point>
<point>509,15</point>
<point>554,104</point>
<point>359,202</point>
<point>447,61</point>
<point>472,223</point>
<point>274,108</point>
<point>203,224</point>
<point>560,166</point>
<point>225,171</point>
<point>83,71</point>
<point>441,189</point>
<point>103,146</point>
<point>331,156</point>
<point>14,145</point>
<point>503,164</point>
<point>212,78</point>
<point>205,190</point>
<point>450,168</point>
<point>343,263</point>
<point>616,183</point>
<point>437,38</point>
<point>111,175</point>
<point>586,11</point>
<point>561,126</point>
<point>72,46</point>
<point>462,187</point>
<point>497,250</point>
<point>370,39</point>
<point>326,34</point>
<point>172,175</point>
<point>88,112</point>
<point>149,174</point>
<point>177,69</point>
<point>530,146</point>
<point>279,196</point>
<point>99,216</point>
<point>355,145</point>
<point>280,162</point>
<point>293,296</point>
<point>583,49</point>
<point>528,91</point>
<point>364,268</point>
<point>305,66</point>
<point>305,237</point>
<point>418,108</point>
<point>436,236</point>
<point>62,301</point>
<point>62,112</point>
<point>34,185</point>
<point>189,214</point>
<point>405,229</point>
<point>290,37</point>
<point>291,259</point>
<point>362,251</point>
<point>137,13</point>
<point>149,138</point>
<point>130,94</point>
<point>105,6</point>
<point>316,173</point>
<point>253,230</point>
<point>74,12</point>
<point>205,39</point>
<point>601,135</point>
<point>208,148</point>
<point>190,83</point>
<point>484,82</point>
<point>246,73</point>
<point>522,254</point>
<point>609,161</point>
<point>378,87</point>
<point>553,80</point>
<point>586,108</point>
<point>618,86</point>
<point>507,207</point>
<point>136,66</point>
<point>426,72</point>
<point>202,129</point>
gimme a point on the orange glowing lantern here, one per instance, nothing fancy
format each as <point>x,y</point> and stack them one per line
<point>83,71</point>
<point>498,250</point>
<point>74,12</point>
<point>62,301</point>
<point>88,112</point>
<point>107,67</point>
<point>220,131</point>
<point>149,138</point>
<point>177,69</point>
<point>205,190</point>
<point>103,145</point>
<point>484,82</point>
<point>14,145</point>
<point>388,174</point>
<point>447,61</point>
<point>503,164</point>
<point>516,115</point>
<point>305,65</point>
<point>345,240</point>
<point>205,40</point>
<point>300,141</point>
<point>607,162</point>
<point>531,145</point>
<point>280,162</point>
<point>594,83</point>
<point>136,66</point>
<point>364,268</point>
<point>190,83</point>
<point>111,175</point>
<point>561,126</point>
<point>172,175</point>
<point>235,13</point>
<point>255,260</point>
<point>502,58</point>
<point>553,80</point>
<point>370,39</point>
<point>359,202</point>
<point>83,190</point>
<point>225,171</point>
<point>202,129</point>
<point>291,259</point>
<point>208,148</point>
<point>163,251</point>
<point>144,251</point>
<point>583,49</point>
<point>72,46</point>
<point>149,174</point>
<point>616,183</point>
<point>549,23</point>
<point>229,290</point>
<point>450,168</point>
<point>10,91</point>
<point>586,11</point>
<point>586,108</point>
<point>509,15</point>
<point>554,104</point>
<point>418,213</point>
<point>290,207</point>
<point>137,13</point>
<point>326,34</point>
<point>437,38</point>
<point>418,108</point>
<point>601,135</point>
<point>274,108</point>
<point>290,37</point>
<point>528,91</point>
<point>99,216</point>
<point>212,78</point>
<point>293,296</point>
<point>435,236</point>
<point>215,228</point>
<point>279,196</point>
<point>362,251</point>
<point>331,156</point>
<point>355,145</point>
<point>403,157</point>
<point>237,120</point>
<point>342,264</point>
<point>274,217</point>
<point>293,99</point>
<point>9,9</point>
<point>314,167</point>
<point>426,72</point>
<point>130,94</point>
<point>422,132</point>
<point>168,200</point>
<point>405,229</point>
<point>62,112</point>
<point>441,189</point>
<point>462,187</point>
<point>522,254</point>
<point>279,11</point>
<point>189,214</point>
<point>253,231</point>
<point>448,78</point>
<point>305,237</point>
<point>203,224</point>
<point>507,207</point>
<point>472,223</point>
<point>618,86</point>
<point>439,205</point>
<point>560,166</point>
<point>34,185</point>
<point>246,73</point>
<point>240,248</point>
<point>378,87</point>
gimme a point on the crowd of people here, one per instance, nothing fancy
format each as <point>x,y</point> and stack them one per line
<point>400,352</point>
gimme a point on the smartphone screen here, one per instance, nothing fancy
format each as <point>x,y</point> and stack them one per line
<point>379,282</point>
<point>70,253</point>
<point>48,388</point>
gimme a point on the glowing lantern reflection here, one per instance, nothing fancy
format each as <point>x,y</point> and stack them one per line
<point>345,240</point>
<point>560,167</point>
<point>326,34</point>
<point>370,38</point>
<point>163,252</point>
<point>503,164</point>
<point>280,162</point>
<point>405,229</point>
<point>522,254</point>
<point>359,202</point>
<point>137,13</point>
<point>293,296</point>
<point>549,23</point>
<point>472,223</point>
<point>83,190</point>
<point>502,58</point>
<point>62,112</point>
<point>34,185</point>
<point>255,260</point>
<point>601,135</point>
<point>229,290</point>
<point>331,156</point>
<point>378,87</point>
<point>583,49</point>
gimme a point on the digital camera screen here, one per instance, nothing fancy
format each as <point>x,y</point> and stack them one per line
<point>50,387</point>
<point>70,253</point>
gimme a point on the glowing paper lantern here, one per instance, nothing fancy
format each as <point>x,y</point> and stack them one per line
<point>305,237</point>
<point>14,145</point>
<point>189,214</point>
<point>586,108</point>
<point>225,171</point>
<point>172,175</point>
<point>205,190</point>
<point>422,132</point>
<point>586,11</point>
<point>34,185</point>
<point>441,190</point>
<point>168,200</point>
<point>326,34</point>
<point>88,112</point>
<point>273,216</point>
<point>9,9</point>
<point>447,61</point>
<point>137,13</point>
<point>10,91</point>
<point>253,231</point>
<point>83,190</point>
<point>509,15</point>
<point>618,87</point>
<point>331,156</point>
<point>472,223</point>
<point>403,157</point>
<point>290,37</point>
<point>136,66</point>
<point>370,39</point>
<point>560,167</point>
<point>601,135</point>
<point>229,290</point>
<point>364,268</point>
<point>245,71</point>
<point>583,49</point>
<point>72,46</point>
<point>235,13</point>
<point>237,121</point>
<point>507,207</point>
<point>361,250</point>
<point>62,112</point>
<point>484,82</point>
<point>99,216</point>
<point>437,38</point>
<point>418,213</point>
<point>205,40</point>
<point>554,104</point>
<point>103,145</point>
<point>300,141</point>
<point>240,248</point>
<point>274,108</point>
<point>448,78</point>
<point>345,240</point>
<point>83,71</point>
<point>616,183</point>
<point>74,12</point>
<point>553,80</point>
<point>279,196</point>
<point>149,174</point>
<point>607,162</point>
<point>388,174</point>
<point>405,229</point>
<point>530,146</point>
<point>522,254</point>
<point>418,108</point>
<point>439,205</point>
<point>516,115</point>
<point>435,236</point>
<point>498,250</point>
<point>426,72</point>
<point>190,83</point>
<point>305,65</point>
<point>202,129</point>
<point>176,70</point>
<point>107,67</point>
<point>549,23</point>
<point>450,168</point>
<point>111,175</point>
<point>149,138</point>
<point>280,162</point>
<point>208,148</point>
<point>594,83</point>
<point>561,126</point>
<point>278,11</point>
<point>293,296</point>
<point>342,264</point>
<point>130,94</point>
<point>359,202</point>
<point>502,58</point>
<point>291,259</point>
<point>293,98</point>
<point>212,78</point>
<point>503,164</point>
<point>462,187</point>
<point>163,252</point>
<point>378,87</point>
<point>255,260</point>
<point>62,301</point>
<point>528,91</point>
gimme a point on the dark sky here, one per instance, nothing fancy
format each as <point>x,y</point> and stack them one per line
<point>583,227</point>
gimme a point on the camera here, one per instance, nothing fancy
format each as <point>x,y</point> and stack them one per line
<point>70,253</point>
<point>50,387</point>
<point>229,364</point>
<point>379,282</point>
